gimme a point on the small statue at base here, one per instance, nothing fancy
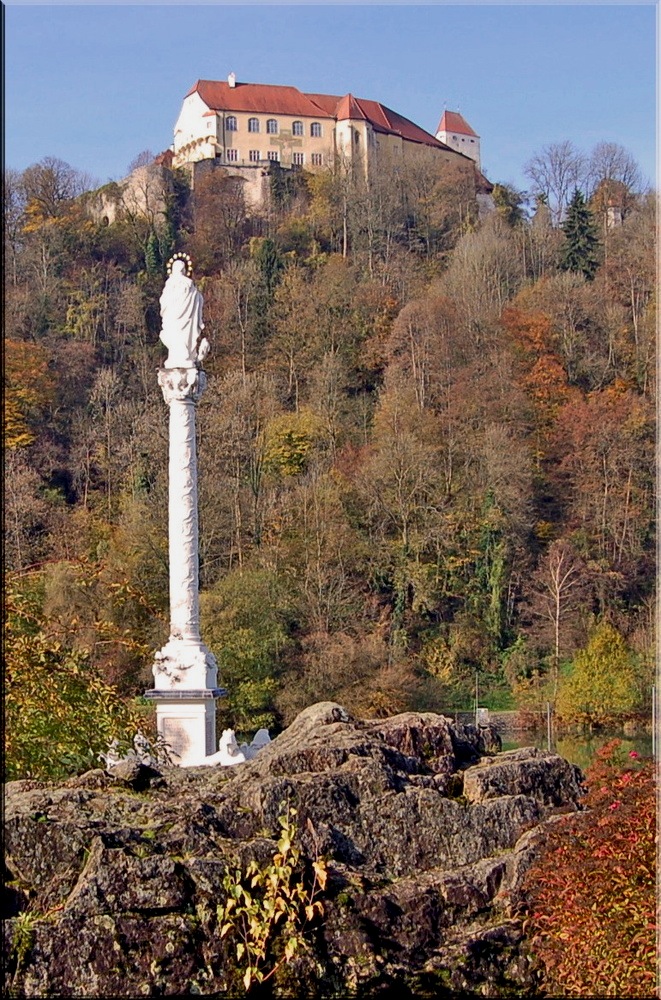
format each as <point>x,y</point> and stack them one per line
<point>230,753</point>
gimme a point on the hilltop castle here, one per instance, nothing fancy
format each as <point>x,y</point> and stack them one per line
<point>246,127</point>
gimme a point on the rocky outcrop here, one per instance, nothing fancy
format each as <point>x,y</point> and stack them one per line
<point>114,881</point>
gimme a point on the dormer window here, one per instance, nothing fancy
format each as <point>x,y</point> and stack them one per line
<point>315,130</point>
<point>253,124</point>
<point>297,128</point>
<point>272,126</point>
<point>230,123</point>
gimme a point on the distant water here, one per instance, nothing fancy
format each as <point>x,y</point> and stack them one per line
<point>579,750</point>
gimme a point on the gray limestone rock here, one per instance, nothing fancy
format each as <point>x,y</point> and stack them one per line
<point>425,833</point>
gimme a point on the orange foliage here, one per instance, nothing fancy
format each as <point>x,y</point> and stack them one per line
<point>543,376</point>
<point>530,331</point>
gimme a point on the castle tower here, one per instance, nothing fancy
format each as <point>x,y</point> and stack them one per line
<point>456,133</point>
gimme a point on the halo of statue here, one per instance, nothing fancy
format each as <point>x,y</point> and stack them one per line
<point>187,261</point>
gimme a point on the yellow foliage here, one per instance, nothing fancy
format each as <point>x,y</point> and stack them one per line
<point>59,712</point>
<point>289,440</point>
<point>602,682</point>
<point>28,385</point>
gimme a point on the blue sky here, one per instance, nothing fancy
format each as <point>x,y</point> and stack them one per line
<point>96,84</point>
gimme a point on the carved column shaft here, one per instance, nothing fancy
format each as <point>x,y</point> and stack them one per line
<point>181,390</point>
<point>182,522</point>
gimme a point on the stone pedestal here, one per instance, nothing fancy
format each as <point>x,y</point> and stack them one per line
<point>185,671</point>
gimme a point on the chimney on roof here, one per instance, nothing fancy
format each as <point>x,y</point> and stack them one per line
<point>231,79</point>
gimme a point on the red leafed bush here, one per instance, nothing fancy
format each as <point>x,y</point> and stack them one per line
<point>591,895</point>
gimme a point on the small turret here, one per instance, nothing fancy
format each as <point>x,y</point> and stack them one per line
<point>456,133</point>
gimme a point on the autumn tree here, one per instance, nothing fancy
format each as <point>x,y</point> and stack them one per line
<point>540,243</point>
<point>50,188</point>
<point>141,159</point>
<point>612,169</point>
<point>290,350</point>
<point>602,683</point>
<point>13,203</point>
<point>219,219</point>
<point>60,713</point>
<point>28,385</point>
<point>377,215</point>
<point>228,310</point>
<point>607,448</point>
<point>509,203</point>
<point>246,622</point>
<point>556,171</point>
<point>485,272</point>
<point>423,345</point>
<point>557,596</point>
<point>630,274</point>
<point>232,488</point>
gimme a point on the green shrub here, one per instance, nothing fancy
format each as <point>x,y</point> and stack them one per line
<point>245,623</point>
<point>603,681</point>
<point>59,712</point>
<point>269,909</point>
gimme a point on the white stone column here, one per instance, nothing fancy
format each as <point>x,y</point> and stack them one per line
<point>185,671</point>
<point>182,388</point>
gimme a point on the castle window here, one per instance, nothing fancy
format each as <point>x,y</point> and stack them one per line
<point>298,159</point>
<point>317,159</point>
<point>253,124</point>
<point>230,123</point>
<point>253,156</point>
<point>231,155</point>
<point>315,130</point>
<point>297,128</point>
<point>273,154</point>
<point>272,126</point>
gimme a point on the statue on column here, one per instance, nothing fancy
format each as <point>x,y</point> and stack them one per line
<point>181,317</point>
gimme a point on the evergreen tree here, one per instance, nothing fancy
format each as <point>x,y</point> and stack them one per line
<point>580,252</point>
<point>271,265</point>
<point>152,254</point>
<point>271,268</point>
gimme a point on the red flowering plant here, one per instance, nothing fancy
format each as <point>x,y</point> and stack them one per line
<point>591,902</point>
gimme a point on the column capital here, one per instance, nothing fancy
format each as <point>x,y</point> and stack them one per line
<point>181,384</point>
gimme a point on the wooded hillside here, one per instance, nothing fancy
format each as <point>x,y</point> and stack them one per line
<point>426,450</point>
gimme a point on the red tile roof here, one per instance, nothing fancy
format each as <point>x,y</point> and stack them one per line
<point>165,158</point>
<point>385,120</point>
<point>270,99</point>
<point>349,108</point>
<point>327,102</point>
<point>452,121</point>
<point>257,97</point>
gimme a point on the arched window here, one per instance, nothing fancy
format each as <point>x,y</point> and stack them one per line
<point>253,124</point>
<point>315,129</point>
<point>230,123</point>
<point>272,126</point>
<point>297,128</point>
